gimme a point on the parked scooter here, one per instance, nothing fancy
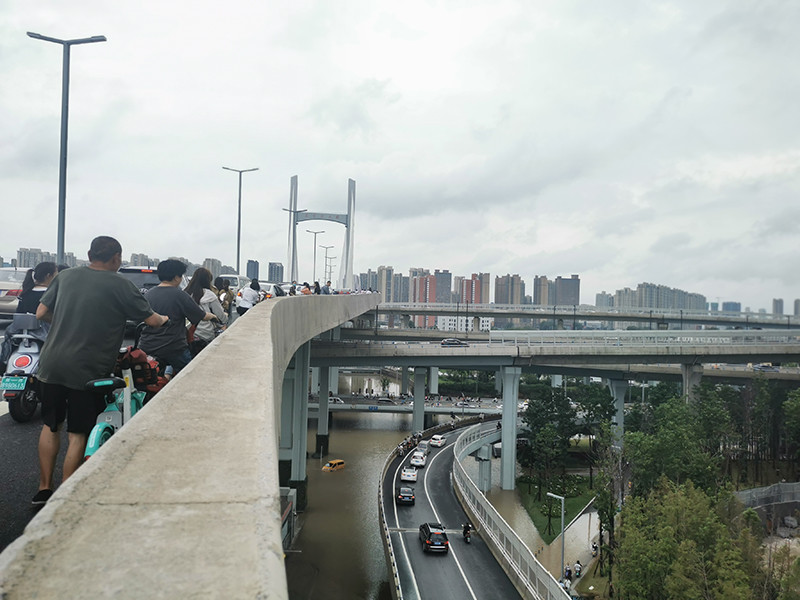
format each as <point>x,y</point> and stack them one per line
<point>24,338</point>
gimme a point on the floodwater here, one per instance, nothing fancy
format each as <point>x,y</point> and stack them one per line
<point>339,550</point>
<point>338,553</point>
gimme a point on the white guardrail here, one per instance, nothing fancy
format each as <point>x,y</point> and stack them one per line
<point>644,338</point>
<point>519,562</point>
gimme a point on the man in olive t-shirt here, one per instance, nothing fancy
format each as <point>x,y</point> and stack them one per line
<point>88,308</point>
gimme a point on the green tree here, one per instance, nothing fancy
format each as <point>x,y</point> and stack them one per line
<point>674,450</point>
<point>791,416</point>
<point>674,545</point>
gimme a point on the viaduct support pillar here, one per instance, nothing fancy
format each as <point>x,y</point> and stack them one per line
<point>404,380</point>
<point>508,459</point>
<point>498,381</point>
<point>321,444</point>
<point>294,425</point>
<point>690,378</point>
<point>418,418</point>
<point>433,380</point>
<point>618,389</point>
<point>484,458</point>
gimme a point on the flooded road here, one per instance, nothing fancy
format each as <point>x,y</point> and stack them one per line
<point>338,553</point>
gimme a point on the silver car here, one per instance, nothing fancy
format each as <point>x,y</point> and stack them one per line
<point>11,280</point>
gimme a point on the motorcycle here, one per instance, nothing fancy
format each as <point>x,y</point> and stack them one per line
<point>467,534</point>
<point>24,339</point>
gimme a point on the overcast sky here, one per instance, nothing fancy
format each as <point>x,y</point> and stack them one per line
<point>625,141</point>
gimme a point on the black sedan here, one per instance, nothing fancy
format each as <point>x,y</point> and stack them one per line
<point>404,495</point>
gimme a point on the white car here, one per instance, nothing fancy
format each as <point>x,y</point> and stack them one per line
<point>438,440</point>
<point>408,474</point>
<point>418,459</point>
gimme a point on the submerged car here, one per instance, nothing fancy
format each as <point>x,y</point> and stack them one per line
<point>433,537</point>
<point>408,474</point>
<point>404,495</point>
<point>334,465</point>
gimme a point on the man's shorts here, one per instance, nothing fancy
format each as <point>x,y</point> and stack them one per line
<point>79,408</point>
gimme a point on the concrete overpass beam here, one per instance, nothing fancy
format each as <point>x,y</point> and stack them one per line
<point>418,418</point>
<point>691,375</point>
<point>618,389</point>
<point>433,380</point>
<point>508,460</point>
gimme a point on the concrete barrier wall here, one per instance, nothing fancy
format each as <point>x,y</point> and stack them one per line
<point>183,502</point>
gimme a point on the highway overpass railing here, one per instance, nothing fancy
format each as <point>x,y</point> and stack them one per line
<point>184,501</point>
<point>644,338</point>
<point>530,577</point>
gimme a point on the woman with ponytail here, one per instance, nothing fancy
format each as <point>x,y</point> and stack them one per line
<point>35,285</point>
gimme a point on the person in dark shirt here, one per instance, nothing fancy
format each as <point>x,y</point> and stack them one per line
<point>169,344</point>
<point>35,285</point>
<point>88,308</point>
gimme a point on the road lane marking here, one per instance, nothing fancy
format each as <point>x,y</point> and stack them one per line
<point>436,514</point>
<point>397,522</point>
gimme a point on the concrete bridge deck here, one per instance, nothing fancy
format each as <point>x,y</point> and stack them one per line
<point>184,501</point>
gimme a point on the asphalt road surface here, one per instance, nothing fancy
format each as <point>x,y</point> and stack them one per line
<point>19,472</point>
<point>467,571</point>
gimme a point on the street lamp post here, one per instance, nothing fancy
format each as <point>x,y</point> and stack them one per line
<point>330,266</point>
<point>239,221</point>
<point>62,170</point>
<point>325,268</point>
<point>557,497</point>
<point>314,267</point>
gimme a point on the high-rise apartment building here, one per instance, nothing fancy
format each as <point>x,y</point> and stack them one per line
<point>385,275</point>
<point>214,265</point>
<point>472,290</point>
<point>777,306</point>
<point>508,289</point>
<point>797,307</point>
<point>400,288</point>
<point>603,300</point>
<point>369,280</point>
<point>275,272</point>
<point>141,260</point>
<point>568,291</point>
<point>731,307</point>
<point>444,286</point>
<point>423,290</point>
<point>252,269</point>
<point>541,290</point>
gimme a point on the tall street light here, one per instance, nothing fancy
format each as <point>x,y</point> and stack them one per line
<point>239,222</point>
<point>62,170</point>
<point>557,497</point>
<point>314,269</point>
<point>325,269</point>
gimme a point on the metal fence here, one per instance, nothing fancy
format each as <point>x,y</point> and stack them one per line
<point>537,581</point>
<point>777,493</point>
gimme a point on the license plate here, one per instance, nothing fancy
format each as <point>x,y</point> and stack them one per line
<point>13,383</point>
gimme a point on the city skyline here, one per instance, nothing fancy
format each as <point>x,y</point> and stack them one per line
<point>653,142</point>
<point>535,292</point>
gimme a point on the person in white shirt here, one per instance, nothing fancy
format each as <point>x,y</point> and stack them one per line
<point>248,297</point>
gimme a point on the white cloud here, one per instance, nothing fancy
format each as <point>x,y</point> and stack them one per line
<point>624,142</point>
